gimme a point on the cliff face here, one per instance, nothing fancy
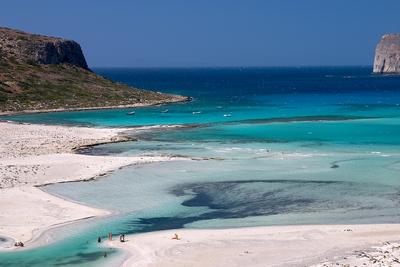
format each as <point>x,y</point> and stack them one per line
<point>40,49</point>
<point>41,73</point>
<point>387,54</point>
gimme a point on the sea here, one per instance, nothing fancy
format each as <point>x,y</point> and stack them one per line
<point>259,147</point>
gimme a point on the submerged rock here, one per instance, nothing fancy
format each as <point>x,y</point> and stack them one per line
<point>387,54</point>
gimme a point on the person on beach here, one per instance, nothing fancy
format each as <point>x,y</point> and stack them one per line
<point>122,238</point>
<point>176,237</point>
<point>110,236</point>
<point>19,244</point>
<point>99,239</point>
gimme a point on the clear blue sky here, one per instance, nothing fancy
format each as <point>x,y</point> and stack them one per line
<point>188,33</point>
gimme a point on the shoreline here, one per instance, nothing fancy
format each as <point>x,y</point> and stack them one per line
<point>33,239</point>
<point>180,99</point>
<point>32,156</point>
<point>51,233</point>
<point>21,145</point>
<point>292,245</point>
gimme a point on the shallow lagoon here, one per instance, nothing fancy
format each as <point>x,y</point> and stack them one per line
<point>302,146</point>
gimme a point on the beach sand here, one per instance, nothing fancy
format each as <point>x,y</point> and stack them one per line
<point>36,155</point>
<point>313,245</point>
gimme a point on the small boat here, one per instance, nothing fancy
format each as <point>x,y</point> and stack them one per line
<point>165,111</point>
<point>227,115</point>
<point>131,113</point>
<point>196,112</point>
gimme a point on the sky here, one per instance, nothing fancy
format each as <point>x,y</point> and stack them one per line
<point>212,33</point>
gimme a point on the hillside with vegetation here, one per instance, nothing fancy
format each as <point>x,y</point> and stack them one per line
<point>40,73</point>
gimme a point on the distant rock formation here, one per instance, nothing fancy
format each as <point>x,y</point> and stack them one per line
<point>40,49</point>
<point>387,54</point>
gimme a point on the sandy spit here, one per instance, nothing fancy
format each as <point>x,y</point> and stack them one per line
<point>311,245</point>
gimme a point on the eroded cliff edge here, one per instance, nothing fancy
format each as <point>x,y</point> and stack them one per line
<point>42,73</point>
<point>40,49</point>
<point>387,54</point>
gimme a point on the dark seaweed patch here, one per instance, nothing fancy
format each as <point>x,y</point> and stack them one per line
<point>232,199</point>
<point>300,119</point>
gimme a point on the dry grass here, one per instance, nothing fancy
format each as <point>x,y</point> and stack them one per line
<point>25,86</point>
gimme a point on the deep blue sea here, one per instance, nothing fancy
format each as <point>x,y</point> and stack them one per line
<point>270,146</point>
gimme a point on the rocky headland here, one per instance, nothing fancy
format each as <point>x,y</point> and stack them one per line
<point>42,73</point>
<point>387,54</point>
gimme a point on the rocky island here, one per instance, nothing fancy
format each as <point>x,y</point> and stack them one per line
<point>387,54</point>
<point>42,73</point>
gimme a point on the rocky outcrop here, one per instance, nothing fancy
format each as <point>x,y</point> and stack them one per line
<point>39,49</point>
<point>387,55</point>
<point>39,73</point>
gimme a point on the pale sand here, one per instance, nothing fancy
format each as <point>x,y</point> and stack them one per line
<point>37,211</point>
<point>35,155</point>
<point>56,168</point>
<point>332,245</point>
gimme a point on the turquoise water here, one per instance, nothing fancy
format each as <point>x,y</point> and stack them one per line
<point>299,146</point>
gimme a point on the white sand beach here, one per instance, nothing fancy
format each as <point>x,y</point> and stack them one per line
<point>313,245</point>
<point>35,155</point>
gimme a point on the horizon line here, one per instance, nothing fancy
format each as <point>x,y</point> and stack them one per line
<point>229,67</point>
